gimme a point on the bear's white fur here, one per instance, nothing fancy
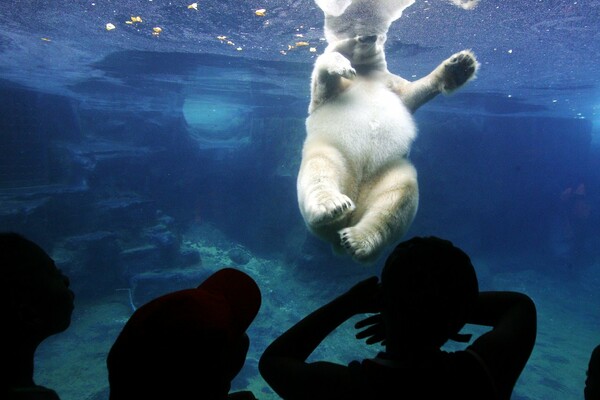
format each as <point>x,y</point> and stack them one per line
<point>356,187</point>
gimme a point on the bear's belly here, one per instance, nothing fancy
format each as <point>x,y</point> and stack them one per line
<point>367,123</point>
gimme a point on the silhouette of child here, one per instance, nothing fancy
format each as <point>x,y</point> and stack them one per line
<point>592,381</point>
<point>187,344</point>
<point>428,292</point>
<point>35,303</point>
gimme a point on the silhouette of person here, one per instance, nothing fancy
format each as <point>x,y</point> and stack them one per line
<point>428,292</point>
<point>35,302</point>
<point>187,344</point>
<point>592,381</point>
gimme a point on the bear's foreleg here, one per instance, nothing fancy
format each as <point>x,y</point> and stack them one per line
<point>449,76</point>
<point>330,76</point>
<point>390,205</point>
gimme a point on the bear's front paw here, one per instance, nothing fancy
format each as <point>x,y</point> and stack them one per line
<point>337,64</point>
<point>459,69</point>
<point>327,208</point>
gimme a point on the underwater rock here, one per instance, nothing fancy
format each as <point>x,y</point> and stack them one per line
<point>149,285</point>
<point>94,239</point>
<point>189,257</point>
<point>164,219</point>
<point>167,241</point>
<point>90,153</point>
<point>141,258</point>
<point>91,261</point>
<point>239,255</point>
<point>123,211</point>
<point>151,257</point>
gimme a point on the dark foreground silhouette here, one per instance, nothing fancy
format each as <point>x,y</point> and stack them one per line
<point>188,344</point>
<point>35,303</point>
<point>428,292</point>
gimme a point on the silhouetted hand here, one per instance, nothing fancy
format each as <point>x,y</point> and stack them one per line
<point>374,331</point>
<point>365,296</point>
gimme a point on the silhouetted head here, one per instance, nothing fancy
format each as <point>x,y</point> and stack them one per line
<point>35,300</point>
<point>429,290</point>
<point>186,344</point>
<point>592,381</point>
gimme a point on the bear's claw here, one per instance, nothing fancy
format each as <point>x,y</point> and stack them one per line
<point>330,208</point>
<point>359,245</point>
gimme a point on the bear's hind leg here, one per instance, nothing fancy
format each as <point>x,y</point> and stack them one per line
<point>322,177</point>
<point>389,208</point>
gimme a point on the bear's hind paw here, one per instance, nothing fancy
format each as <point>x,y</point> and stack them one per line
<point>330,209</point>
<point>362,247</point>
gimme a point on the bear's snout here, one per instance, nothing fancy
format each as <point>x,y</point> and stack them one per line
<point>367,39</point>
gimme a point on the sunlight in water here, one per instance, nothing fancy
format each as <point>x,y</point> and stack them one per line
<point>213,114</point>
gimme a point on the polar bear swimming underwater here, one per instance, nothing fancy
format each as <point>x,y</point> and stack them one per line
<point>356,187</point>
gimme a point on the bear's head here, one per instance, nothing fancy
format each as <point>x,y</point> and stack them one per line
<point>346,19</point>
<point>358,29</point>
<point>364,52</point>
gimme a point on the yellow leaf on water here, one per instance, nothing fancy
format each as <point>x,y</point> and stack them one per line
<point>261,12</point>
<point>193,6</point>
<point>110,27</point>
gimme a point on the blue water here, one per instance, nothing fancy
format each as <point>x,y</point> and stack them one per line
<point>144,162</point>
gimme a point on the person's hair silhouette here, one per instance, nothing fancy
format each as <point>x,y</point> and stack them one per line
<point>428,292</point>
<point>35,303</point>
<point>592,381</point>
<point>186,344</point>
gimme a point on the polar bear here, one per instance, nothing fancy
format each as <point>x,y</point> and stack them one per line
<point>356,187</point>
